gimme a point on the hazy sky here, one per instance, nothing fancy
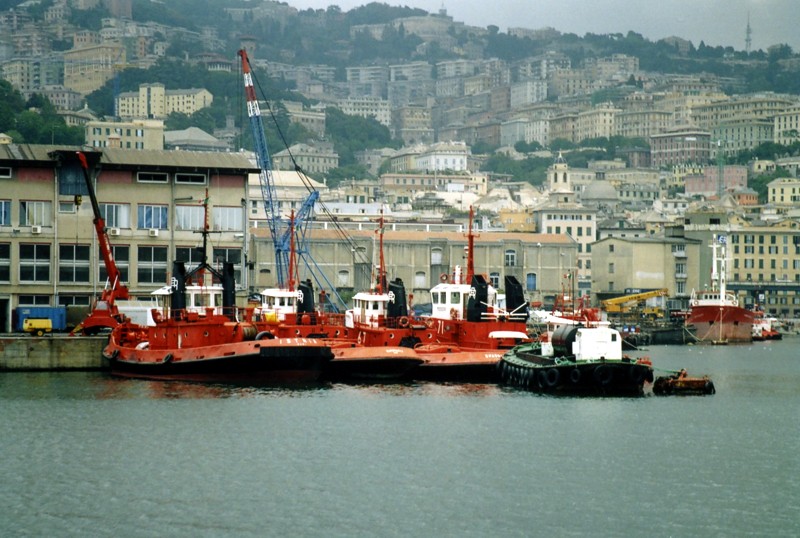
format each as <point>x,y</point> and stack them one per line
<point>716,22</point>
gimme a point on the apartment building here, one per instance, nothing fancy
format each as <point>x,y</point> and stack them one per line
<point>784,191</point>
<point>786,126</point>
<point>366,107</point>
<point>741,108</point>
<point>135,134</point>
<point>680,146</point>
<point>315,159</point>
<point>89,68</point>
<point>154,101</point>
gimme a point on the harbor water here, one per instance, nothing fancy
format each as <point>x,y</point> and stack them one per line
<point>84,454</point>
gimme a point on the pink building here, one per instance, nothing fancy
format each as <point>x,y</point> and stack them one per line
<point>734,178</point>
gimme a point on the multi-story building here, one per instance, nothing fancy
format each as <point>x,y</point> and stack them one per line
<point>564,127</point>
<point>151,202</point>
<point>784,191</point>
<point>420,255</point>
<point>716,180</point>
<point>561,214</point>
<point>312,120</point>
<point>680,147</point>
<point>403,188</point>
<point>89,68</point>
<point>528,92</point>
<point>136,134</point>
<point>444,156</point>
<point>368,107</point>
<point>741,108</point>
<point>764,266</point>
<point>315,159</point>
<point>786,127</point>
<point>732,137</point>
<point>412,124</point>
<point>645,263</point>
<point>598,122</point>
<point>641,123</point>
<point>154,101</point>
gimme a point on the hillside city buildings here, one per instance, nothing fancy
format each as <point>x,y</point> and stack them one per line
<point>641,221</point>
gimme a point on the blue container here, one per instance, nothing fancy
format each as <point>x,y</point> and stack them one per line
<point>56,314</point>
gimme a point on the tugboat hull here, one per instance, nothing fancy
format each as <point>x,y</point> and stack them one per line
<point>600,378</point>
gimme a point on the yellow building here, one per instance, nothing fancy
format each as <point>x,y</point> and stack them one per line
<point>136,134</point>
<point>89,68</point>
<point>155,101</point>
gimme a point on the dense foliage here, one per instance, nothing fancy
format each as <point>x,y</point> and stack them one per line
<point>34,121</point>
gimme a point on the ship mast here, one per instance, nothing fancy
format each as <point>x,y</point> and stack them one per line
<point>470,248</point>
<point>381,267</point>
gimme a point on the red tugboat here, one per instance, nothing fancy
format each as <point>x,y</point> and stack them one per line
<point>715,314</point>
<point>472,328</point>
<point>211,346</point>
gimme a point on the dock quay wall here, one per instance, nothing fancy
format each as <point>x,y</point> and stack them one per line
<point>26,353</point>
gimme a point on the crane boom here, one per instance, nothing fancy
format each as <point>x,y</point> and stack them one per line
<point>104,313</point>
<point>617,304</point>
<point>265,178</point>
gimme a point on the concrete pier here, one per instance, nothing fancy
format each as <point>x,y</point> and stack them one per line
<point>26,353</point>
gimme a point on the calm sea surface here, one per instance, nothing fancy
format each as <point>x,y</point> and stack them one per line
<point>83,454</point>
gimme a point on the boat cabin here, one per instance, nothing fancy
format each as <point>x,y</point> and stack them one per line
<point>198,298</point>
<point>277,303</point>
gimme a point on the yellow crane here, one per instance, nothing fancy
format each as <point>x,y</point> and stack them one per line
<point>623,304</point>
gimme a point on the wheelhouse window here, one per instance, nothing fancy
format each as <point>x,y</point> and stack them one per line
<point>73,263</point>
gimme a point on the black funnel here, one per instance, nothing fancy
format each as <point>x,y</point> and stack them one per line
<point>397,307</point>
<point>476,306</point>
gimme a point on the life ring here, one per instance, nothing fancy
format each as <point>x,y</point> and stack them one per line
<point>403,322</point>
<point>453,313</point>
<point>443,277</point>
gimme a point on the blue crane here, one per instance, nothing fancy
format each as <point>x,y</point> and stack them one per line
<point>281,232</point>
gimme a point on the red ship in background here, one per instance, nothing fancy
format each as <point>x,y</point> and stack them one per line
<point>715,314</point>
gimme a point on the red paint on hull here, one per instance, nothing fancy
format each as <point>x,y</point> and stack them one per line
<point>721,324</point>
